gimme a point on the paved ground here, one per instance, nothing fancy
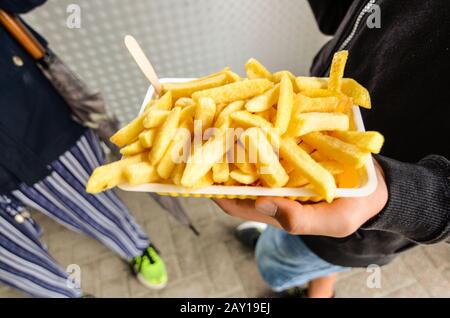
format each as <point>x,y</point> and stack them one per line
<point>215,265</point>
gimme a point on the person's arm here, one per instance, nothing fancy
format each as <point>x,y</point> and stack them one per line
<point>329,13</point>
<point>411,199</point>
<point>418,206</point>
<point>20,6</point>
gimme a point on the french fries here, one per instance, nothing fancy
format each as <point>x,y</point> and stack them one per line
<point>174,152</point>
<point>184,102</point>
<point>221,171</point>
<point>205,181</point>
<point>333,167</point>
<point>205,111</point>
<point>318,176</point>
<point>177,173</point>
<point>129,133</point>
<point>164,136</point>
<point>317,156</point>
<point>296,179</point>
<point>263,102</point>
<point>357,92</point>
<point>265,115</point>
<point>155,117</point>
<point>309,83</point>
<point>308,122</point>
<point>146,138</point>
<point>270,169</point>
<point>132,149</point>
<point>242,160</point>
<point>188,112</point>
<point>235,91</point>
<point>255,69</point>
<point>224,115</point>
<point>139,173</point>
<point>351,88</point>
<point>349,178</point>
<point>304,104</point>
<point>110,175</point>
<point>318,92</point>
<point>244,178</point>
<point>369,141</point>
<point>334,148</point>
<point>149,105</point>
<point>165,102</point>
<point>245,119</point>
<point>201,162</point>
<point>186,89</point>
<point>305,147</point>
<point>231,76</point>
<point>337,71</point>
<point>285,104</point>
<point>277,76</point>
<point>267,130</point>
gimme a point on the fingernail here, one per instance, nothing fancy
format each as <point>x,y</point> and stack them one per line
<point>267,208</point>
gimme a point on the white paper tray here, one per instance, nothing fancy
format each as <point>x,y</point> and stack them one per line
<point>368,180</point>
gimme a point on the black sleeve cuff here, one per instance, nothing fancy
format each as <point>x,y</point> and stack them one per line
<point>419,200</point>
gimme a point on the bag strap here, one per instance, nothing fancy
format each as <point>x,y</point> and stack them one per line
<point>22,35</point>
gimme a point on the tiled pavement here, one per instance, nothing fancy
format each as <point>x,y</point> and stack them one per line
<point>215,265</point>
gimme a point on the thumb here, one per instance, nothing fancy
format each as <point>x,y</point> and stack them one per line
<point>291,215</point>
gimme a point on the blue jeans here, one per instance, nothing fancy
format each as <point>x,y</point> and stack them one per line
<point>284,261</point>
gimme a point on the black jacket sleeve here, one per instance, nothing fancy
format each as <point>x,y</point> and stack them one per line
<point>419,200</point>
<point>329,13</point>
<point>20,6</point>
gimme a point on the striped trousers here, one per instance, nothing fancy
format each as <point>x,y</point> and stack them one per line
<point>25,263</point>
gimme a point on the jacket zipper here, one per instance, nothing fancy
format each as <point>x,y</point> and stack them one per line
<point>352,34</point>
<point>363,12</point>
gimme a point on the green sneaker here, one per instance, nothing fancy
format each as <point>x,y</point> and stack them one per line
<point>150,269</point>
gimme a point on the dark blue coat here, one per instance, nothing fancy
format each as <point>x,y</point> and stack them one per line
<point>35,122</point>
